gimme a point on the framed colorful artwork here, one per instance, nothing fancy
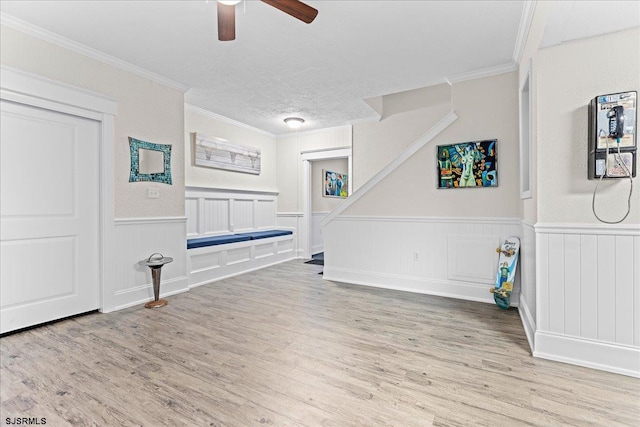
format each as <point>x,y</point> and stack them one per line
<point>334,184</point>
<point>468,164</point>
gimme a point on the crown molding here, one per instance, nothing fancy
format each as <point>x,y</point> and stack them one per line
<point>215,116</point>
<point>314,131</point>
<point>58,40</point>
<point>484,72</point>
<point>523,31</point>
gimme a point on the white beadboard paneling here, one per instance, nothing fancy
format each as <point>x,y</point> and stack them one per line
<point>636,291</point>
<point>216,216</point>
<point>606,288</point>
<point>382,251</point>
<point>588,287</point>
<point>542,275</point>
<point>472,258</point>
<point>215,211</point>
<point>556,283</point>
<point>137,239</point>
<point>624,315</point>
<point>265,214</point>
<point>572,280</point>
<point>243,214</point>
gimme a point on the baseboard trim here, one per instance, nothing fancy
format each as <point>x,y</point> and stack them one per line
<point>528,323</point>
<point>443,288</point>
<point>142,294</point>
<point>610,357</point>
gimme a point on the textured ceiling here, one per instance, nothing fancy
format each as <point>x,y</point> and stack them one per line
<point>278,66</point>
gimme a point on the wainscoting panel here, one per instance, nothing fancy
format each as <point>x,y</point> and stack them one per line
<point>191,210</point>
<point>212,211</point>
<point>211,263</point>
<point>291,221</point>
<point>219,212</point>
<point>588,292</point>
<point>136,240</point>
<point>317,239</point>
<point>527,266</point>
<point>472,258</point>
<point>423,254</point>
<point>243,215</point>
<point>215,215</point>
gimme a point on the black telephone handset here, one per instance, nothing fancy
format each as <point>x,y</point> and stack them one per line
<point>616,122</point>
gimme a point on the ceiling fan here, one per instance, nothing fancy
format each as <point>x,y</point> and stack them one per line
<point>227,14</point>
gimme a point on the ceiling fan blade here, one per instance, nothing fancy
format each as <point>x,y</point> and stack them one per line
<point>295,8</point>
<point>226,22</point>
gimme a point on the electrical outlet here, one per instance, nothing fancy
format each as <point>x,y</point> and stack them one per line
<point>416,257</point>
<point>153,193</point>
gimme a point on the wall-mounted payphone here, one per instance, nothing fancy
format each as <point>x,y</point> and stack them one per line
<point>613,142</point>
<point>613,136</point>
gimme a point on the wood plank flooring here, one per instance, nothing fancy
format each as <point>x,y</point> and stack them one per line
<point>282,347</point>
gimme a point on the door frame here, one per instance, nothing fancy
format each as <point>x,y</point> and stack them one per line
<point>33,90</point>
<point>307,158</point>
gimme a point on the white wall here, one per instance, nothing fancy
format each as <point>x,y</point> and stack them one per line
<point>452,257</point>
<point>405,117</point>
<point>529,206</point>
<point>568,76</point>
<point>288,152</point>
<point>404,233</point>
<point>487,108</point>
<point>589,296</point>
<point>200,121</point>
<point>588,280</point>
<point>146,111</point>
<point>318,202</point>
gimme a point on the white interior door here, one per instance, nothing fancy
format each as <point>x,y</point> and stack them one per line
<point>49,209</point>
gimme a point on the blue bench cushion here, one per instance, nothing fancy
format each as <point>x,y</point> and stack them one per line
<point>254,235</point>
<point>201,242</point>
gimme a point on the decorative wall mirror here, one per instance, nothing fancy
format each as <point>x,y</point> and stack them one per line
<point>149,161</point>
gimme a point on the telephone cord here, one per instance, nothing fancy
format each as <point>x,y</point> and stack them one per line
<point>606,168</point>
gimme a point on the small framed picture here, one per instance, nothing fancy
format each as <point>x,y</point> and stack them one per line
<point>334,184</point>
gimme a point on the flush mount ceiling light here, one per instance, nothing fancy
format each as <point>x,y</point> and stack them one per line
<point>294,122</point>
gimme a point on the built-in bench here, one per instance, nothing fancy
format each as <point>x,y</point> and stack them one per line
<point>201,242</point>
<point>233,232</point>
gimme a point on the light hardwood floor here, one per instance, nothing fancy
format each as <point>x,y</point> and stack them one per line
<point>282,347</point>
